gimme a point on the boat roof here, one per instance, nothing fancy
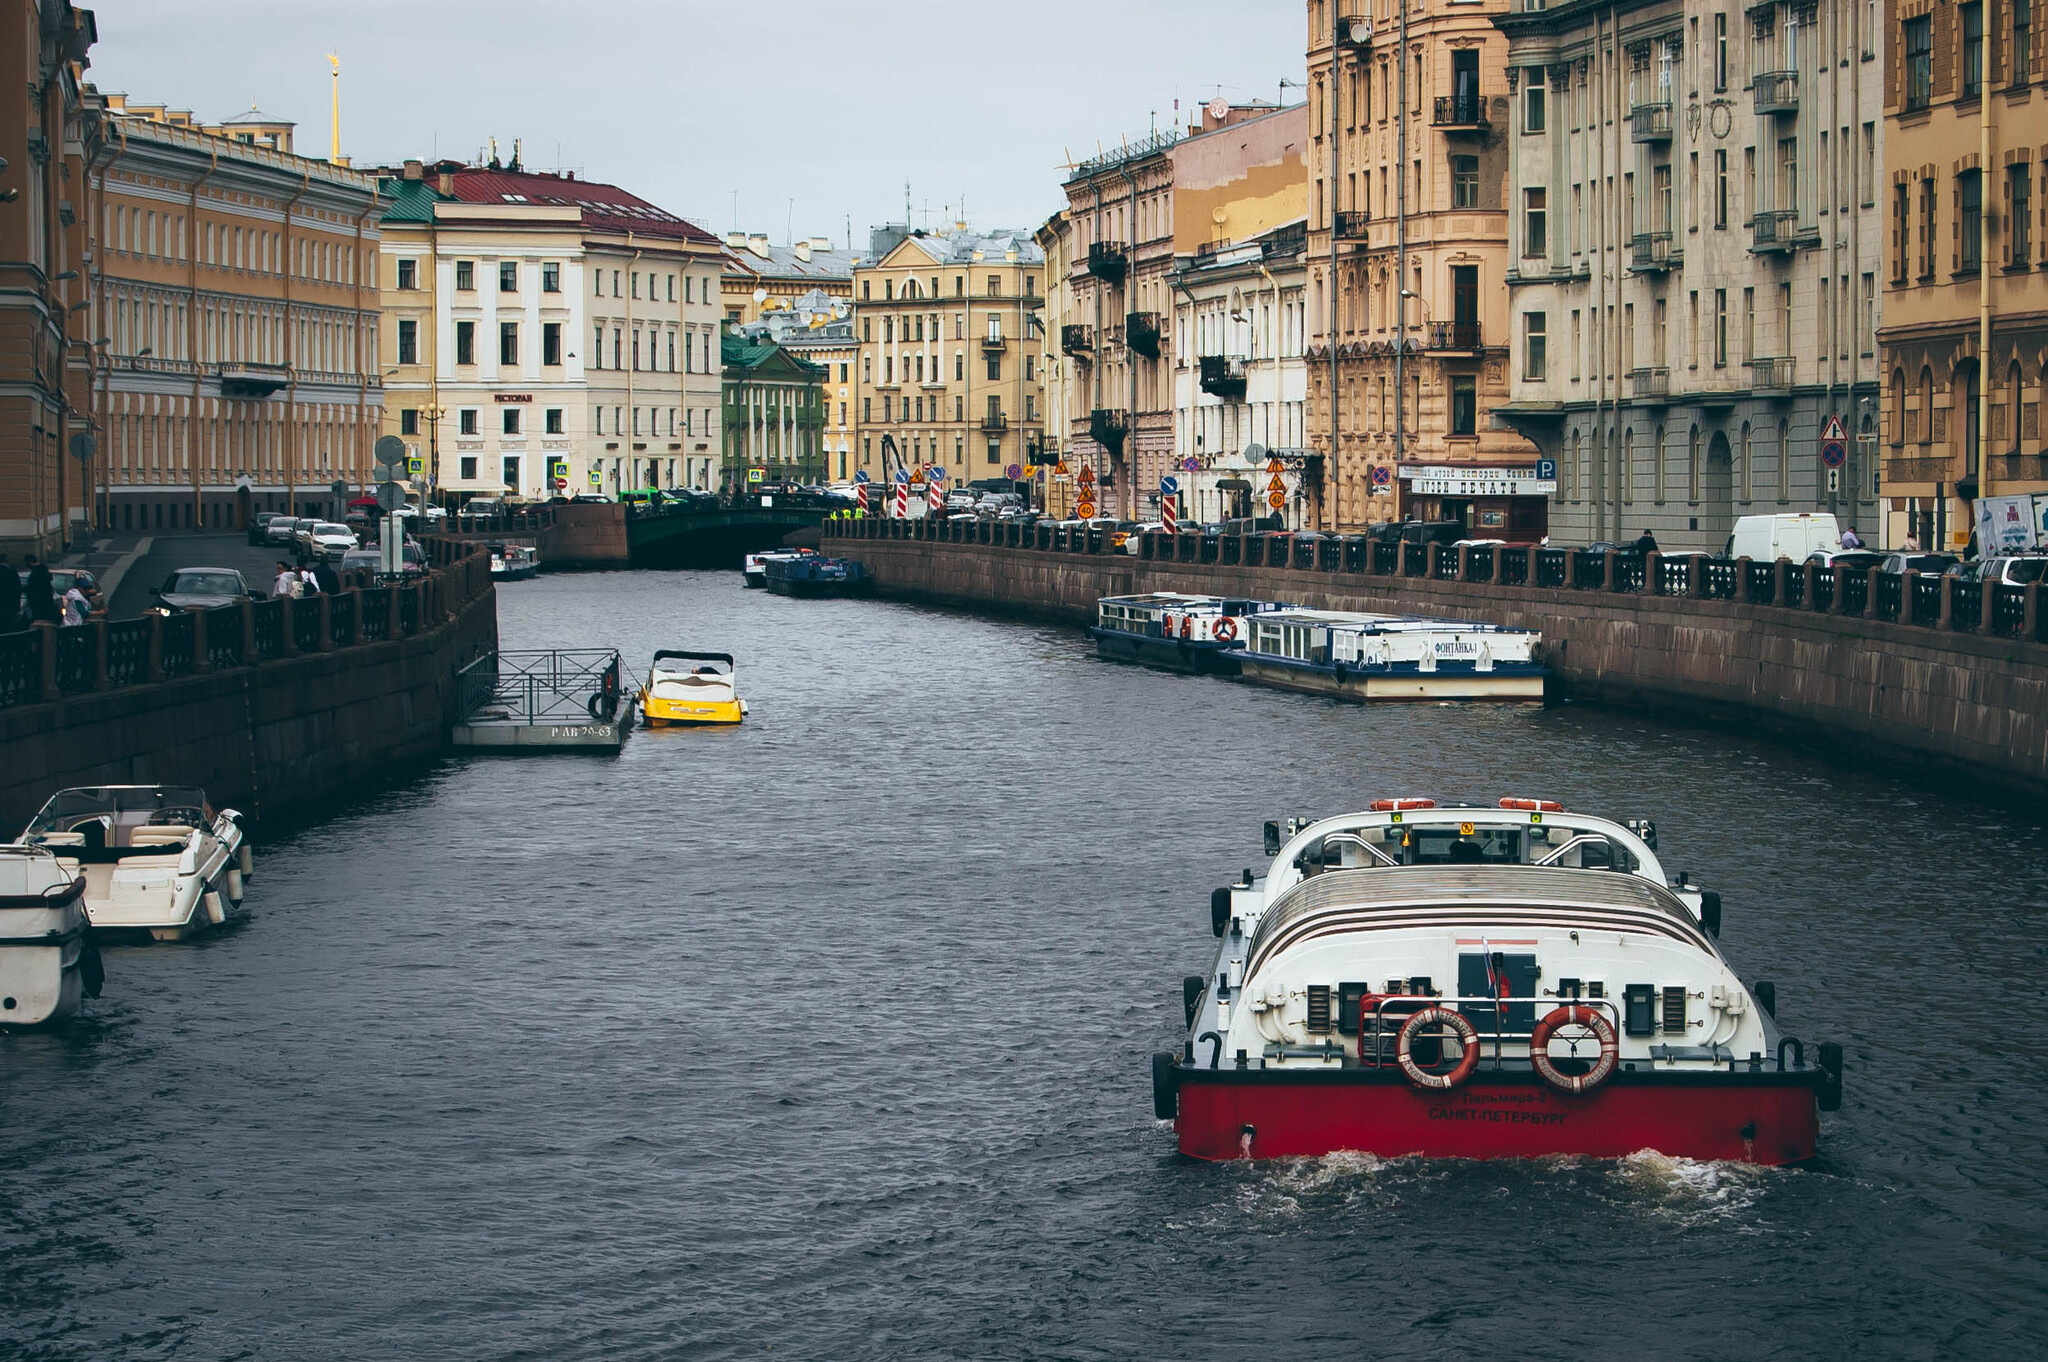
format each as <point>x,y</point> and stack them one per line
<point>1361,621</point>
<point>726,658</point>
<point>121,797</point>
<point>1181,600</point>
<point>1283,873</point>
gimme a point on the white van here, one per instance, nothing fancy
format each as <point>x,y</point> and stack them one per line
<point>1767,538</point>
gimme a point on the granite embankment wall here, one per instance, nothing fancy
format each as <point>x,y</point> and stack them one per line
<point>277,708</point>
<point>1968,707</point>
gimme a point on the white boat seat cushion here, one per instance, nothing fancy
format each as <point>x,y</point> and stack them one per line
<point>161,834</point>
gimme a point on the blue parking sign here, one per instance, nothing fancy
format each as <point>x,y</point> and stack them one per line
<point>1546,470</point>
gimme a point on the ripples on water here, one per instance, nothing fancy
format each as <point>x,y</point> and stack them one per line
<point>828,1037</point>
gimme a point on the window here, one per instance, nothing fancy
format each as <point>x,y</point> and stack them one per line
<point>1464,405</point>
<point>467,468</point>
<point>1720,328</point>
<point>1720,52</point>
<point>1464,182</point>
<point>551,343</point>
<point>995,286</point>
<point>508,342</point>
<point>508,420</point>
<point>671,294</point>
<point>2019,210</point>
<point>1973,50</point>
<point>995,368</point>
<point>510,469</point>
<point>508,276</point>
<point>1970,239</point>
<point>409,421</point>
<point>551,278</point>
<point>408,342</point>
<point>1927,228</point>
<point>465,342</point>
<point>1535,222</point>
<point>552,421</point>
<point>1919,44</point>
<point>1535,339</point>
<point>1720,188</point>
<point>1532,101</point>
<point>466,421</point>
<point>2022,26</point>
<point>636,294</point>
<point>597,349</point>
<point>408,274</point>
<point>465,276</point>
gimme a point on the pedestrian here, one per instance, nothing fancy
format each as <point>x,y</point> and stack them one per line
<point>1912,544</point>
<point>1850,539</point>
<point>1646,543</point>
<point>286,584</point>
<point>325,578</point>
<point>10,595</point>
<point>74,604</point>
<point>39,592</point>
<point>309,585</point>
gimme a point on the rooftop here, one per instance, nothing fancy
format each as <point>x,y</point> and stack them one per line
<point>749,253</point>
<point>604,207</point>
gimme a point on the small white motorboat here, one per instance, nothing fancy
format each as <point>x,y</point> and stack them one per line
<point>157,860</point>
<point>48,959</point>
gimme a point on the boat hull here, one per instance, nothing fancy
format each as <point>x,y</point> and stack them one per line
<point>40,983</point>
<point>811,589</point>
<point>1513,682</point>
<point>660,713</point>
<point>1174,655</point>
<point>1763,1117</point>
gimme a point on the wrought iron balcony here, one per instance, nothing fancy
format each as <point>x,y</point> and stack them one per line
<point>1354,226</point>
<point>1141,333</point>
<point>1651,253</point>
<point>1773,230</point>
<point>1451,336</point>
<point>244,379</point>
<point>1777,92</point>
<point>1077,340</point>
<point>1650,385</point>
<point>995,422</point>
<point>1650,122</point>
<point>992,340</point>
<point>1108,261</point>
<point>1223,376</point>
<point>1771,375</point>
<point>1464,112</point>
<point>1107,427</point>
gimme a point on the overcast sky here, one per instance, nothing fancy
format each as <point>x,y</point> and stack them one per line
<point>830,105</point>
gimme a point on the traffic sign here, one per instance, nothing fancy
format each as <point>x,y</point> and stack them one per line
<point>390,496</point>
<point>1277,486</point>
<point>1381,475</point>
<point>861,477</point>
<point>1087,474</point>
<point>1277,500</point>
<point>415,467</point>
<point>596,478</point>
<point>757,474</point>
<point>1085,510</point>
<point>1060,468</point>
<point>338,487</point>
<point>1546,470</point>
<point>1275,466</point>
<point>1013,472</point>
<point>1169,485</point>
<point>1834,431</point>
<point>561,484</point>
<point>903,475</point>
<point>1834,453</point>
<point>390,455</point>
<point>83,447</point>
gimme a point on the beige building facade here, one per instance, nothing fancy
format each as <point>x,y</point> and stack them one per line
<point>761,278</point>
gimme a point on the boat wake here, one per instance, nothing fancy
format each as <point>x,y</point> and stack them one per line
<point>1690,1191</point>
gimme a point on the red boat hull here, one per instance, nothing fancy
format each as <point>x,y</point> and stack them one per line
<point>1750,1118</point>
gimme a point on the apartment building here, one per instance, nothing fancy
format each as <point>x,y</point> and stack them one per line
<point>817,328</point>
<point>761,278</point>
<point>235,308</point>
<point>548,334</point>
<point>1053,489</point>
<point>1696,251</point>
<point>774,412</point>
<point>949,334</point>
<point>1408,252</point>
<point>1965,325</point>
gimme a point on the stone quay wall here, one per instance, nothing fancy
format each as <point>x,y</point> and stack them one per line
<point>276,708</point>
<point>1930,675</point>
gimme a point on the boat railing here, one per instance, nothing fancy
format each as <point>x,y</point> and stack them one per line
<point>1467,1005</point>
<point>539,687</point>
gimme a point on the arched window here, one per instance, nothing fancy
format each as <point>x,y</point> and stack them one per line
<point>1897,433</point>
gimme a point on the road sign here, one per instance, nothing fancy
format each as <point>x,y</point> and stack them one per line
<point>1834,453</point>
<point>860,478</point>
<point>388,449</point>
<point>83,447</point>
<point>338,487</point>
<point>902,475</point>
<point>1060,468</point>
<point>1169,513</point>
<point>1381,475</point>
<point>1085,511</point>
<point>1834,481</point>
<point>757,475</point>
<point>596,479</point>
<point>860,493</point>
<point>390,496</point>
<point>1277,486</point>
<point>1833,431</point>
<point>1546,470</point>
<point>1087,474</point>
<point>1254,452</point>
<point>561,484</point>
<point>1275,466</point>
<point>1169,485</point>
<point>1277,500</point>
<point>1013,472</point>
<point>415,467</point>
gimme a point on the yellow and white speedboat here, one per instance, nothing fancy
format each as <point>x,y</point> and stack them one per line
<point>691,689</point>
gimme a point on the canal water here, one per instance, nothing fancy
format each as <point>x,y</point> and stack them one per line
<point>827,1038</point>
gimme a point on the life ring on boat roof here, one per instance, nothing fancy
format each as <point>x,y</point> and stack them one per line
<point>1225,630</point>
<point>1573,1014</point>
<point>1411,1030</point>
<point>1187,626</point>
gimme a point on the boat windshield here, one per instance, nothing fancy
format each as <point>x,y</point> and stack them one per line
<point>116,809</point>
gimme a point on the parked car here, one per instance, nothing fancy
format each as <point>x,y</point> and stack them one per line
<point>200,588</point>
<point>2006,571</point>
<point>960,499</point>
<point>1767,538</point>
<point>372,560</point>
<point>483,506</point>
<point>1933,564</point>
<point>589,499</point>
<point>329,540</point>
<point>259,523</point>
<point>281,529</point>
<point>1847,559</point>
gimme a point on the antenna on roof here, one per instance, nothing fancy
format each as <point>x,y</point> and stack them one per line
<point>517,143</point>
<point>334,142</point>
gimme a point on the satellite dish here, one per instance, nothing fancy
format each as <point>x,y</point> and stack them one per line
<point>760,295</point>
<point>1219,108</point>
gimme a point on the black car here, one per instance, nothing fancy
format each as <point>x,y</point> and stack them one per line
<point>200,588</point>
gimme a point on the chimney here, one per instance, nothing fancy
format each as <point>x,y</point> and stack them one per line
<point>414,171</point>
<point>757,242</point>
<point>821,243</point>
<point>736,240</point>
<point>803,251</point>
<point>447,184</point>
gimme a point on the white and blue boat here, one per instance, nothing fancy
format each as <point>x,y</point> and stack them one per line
<point>1391,657</point>
<point>1174,631</point>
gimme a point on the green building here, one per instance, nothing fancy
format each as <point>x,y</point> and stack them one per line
<point>774,411</point>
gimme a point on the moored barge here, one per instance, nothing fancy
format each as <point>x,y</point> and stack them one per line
<point>1175,631</point>
<point>1478,982</point>
<point>1356,656</point>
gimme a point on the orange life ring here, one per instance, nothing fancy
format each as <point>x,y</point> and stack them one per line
<point>1187,626</point>
<point>1573,1014</point>
<point>1225,630</point>
<point>1468,1038</point>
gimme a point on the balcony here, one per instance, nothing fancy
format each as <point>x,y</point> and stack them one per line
<point>1108,261</point>
<point>992,340</point>
<point>1651,253</point>
<point>243,379</point>
<point>1777,92</point>
<point>1141,333</point>
<point>1771,377</point>
<point>1650,385</point>
<point>1077,340</point>
<point>1451,336</point>
<point>994,422</point>
<point>1223,376</point>
<point>1773,230</point>
<point>1462,112</point>
<point>1108,428</point>
<point>1650,122</point>
<point>1354,226</point>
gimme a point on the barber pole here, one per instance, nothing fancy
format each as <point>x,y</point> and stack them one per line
<point>902,494</point>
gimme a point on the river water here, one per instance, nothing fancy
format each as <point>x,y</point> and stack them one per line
<point>827,1038</point>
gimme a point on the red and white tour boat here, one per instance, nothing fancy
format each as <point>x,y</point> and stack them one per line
<point>1477,982</point>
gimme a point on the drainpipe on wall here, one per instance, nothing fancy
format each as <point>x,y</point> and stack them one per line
<point>1983,469</point>
<point>192,332</point>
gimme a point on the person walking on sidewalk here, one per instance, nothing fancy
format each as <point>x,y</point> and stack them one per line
<point>40,592</point>
<point>286,584</point>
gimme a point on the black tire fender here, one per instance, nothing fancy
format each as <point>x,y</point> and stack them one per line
<point>1165,1085</point>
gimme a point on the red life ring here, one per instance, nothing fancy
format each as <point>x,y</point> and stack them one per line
<point>1225,630</point>
<point>1187,626</point>
<point>1405,1045</point>
<point>1574,1015</point>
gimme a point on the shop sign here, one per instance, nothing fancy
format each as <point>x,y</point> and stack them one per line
<point>1435,480</point>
